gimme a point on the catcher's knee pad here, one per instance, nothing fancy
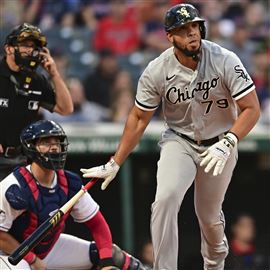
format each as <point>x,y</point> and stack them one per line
<point>121,259</point>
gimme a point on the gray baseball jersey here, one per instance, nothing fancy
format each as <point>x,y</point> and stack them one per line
<point>201,103</point>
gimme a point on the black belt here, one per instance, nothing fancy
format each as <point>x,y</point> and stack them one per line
<point>207,142</point>
<point>11,151</point>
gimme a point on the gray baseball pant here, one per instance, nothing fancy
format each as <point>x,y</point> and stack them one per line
<point>178,167</point>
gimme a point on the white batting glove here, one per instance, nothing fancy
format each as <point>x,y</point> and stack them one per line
<point>217,155</point>
<point>107,172</point>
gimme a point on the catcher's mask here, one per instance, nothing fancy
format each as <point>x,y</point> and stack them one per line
<point>45,129</point>
<point>20,34</point>
<point>182,14</point>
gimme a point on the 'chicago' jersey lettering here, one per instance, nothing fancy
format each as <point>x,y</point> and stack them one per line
<point>176,95</point>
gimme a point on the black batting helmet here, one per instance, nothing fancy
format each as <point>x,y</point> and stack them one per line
<point>182,14</point>
<point>44,129</point>
<point>24,32</point>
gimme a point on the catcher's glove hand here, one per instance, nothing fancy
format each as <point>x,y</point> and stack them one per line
<point>217,155</point>
<point>107,172</point>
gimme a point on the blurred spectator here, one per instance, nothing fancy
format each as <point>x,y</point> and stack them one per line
<point>118,30</point>
<point>83,17</point>
<point>61,60</point>
<point>235,9</point>
<point>264,97</point>
<point>153,36</point>
<point>68,20</point>
<point>265,116</point>
<point>214,32</point>
<point>240,44</point>
<point>98,84</point>
<point>257,17</point>
<point>212,10</point>
<point>88,17</point>
<point>244,254</point>
<point>10,13</point>
<point>122,97</point>
<point>261,64</point>
<point>31,10</point>
<point>146,254</point>
<point>38,10</point>
<point>84,111</point>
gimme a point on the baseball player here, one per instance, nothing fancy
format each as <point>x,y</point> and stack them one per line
<point>209,104</point>
<point>31,193</point>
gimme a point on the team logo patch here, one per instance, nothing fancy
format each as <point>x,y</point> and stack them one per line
<point>241,73</point>
<point>4,102</point>
<point>183,11</point>
<point>33,105</point>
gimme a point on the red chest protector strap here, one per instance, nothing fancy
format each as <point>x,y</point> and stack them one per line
<point>31,182</point>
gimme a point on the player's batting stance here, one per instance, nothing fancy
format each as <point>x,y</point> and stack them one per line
<point>30,194</point>
<point>209,104</point>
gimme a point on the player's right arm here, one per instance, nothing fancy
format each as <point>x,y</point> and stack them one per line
<point>135,126</point>
<point>136,123</point>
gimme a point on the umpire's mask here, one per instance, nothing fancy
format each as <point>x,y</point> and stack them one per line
<point>21,34</point>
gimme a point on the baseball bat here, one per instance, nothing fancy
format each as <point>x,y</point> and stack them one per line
<point>32,240</point>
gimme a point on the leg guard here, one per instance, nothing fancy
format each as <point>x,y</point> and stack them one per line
<point>122,260</point>
<point>125,261</point>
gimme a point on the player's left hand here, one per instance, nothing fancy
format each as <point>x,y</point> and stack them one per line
<point>217,155</point>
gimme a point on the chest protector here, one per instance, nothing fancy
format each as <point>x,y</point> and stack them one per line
<point>39,203</point>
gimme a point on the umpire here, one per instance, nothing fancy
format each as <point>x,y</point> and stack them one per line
<point>23,90</point>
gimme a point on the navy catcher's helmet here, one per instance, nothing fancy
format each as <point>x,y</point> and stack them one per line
<point>44,129</point>
<point>182,14</point>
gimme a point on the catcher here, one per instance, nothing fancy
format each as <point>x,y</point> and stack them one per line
<point>31,193</point>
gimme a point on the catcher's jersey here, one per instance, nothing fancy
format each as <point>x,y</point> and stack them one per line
<point>200,103</point>
<point>83,210</point>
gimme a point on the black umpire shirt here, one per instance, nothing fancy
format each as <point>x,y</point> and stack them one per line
<point>17,110</point>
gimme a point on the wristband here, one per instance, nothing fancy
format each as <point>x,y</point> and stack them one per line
<point>113,163</point>
<point>30,258</point>
<point>231,138</point>
<point>233,135</point>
